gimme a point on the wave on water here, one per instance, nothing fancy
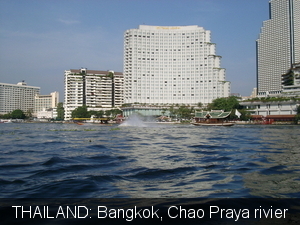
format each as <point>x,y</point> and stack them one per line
<point>55,160</point>
<point>164,161</point>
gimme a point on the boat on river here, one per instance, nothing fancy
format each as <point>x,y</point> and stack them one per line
<point>212,118</point>
<point>214,124</point>
<point>5,121</point>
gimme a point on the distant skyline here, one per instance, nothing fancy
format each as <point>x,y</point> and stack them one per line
<point>41,39</point>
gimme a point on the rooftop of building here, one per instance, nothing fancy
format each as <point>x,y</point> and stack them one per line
<point>95,72</point>
<point>19,84</point>
<point>168,28</point>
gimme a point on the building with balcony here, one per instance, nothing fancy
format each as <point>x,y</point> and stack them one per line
<point>94,88</point>
<point>172,65</point>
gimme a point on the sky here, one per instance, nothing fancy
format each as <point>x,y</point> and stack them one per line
<point>40,39</point>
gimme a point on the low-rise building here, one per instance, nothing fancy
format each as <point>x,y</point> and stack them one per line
<point>45,114</point>
<point>272,110</point>
<point>147,111</point>
<point>291,81</point>
<point>46,104</point>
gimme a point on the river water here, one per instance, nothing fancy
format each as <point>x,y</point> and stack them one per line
<point>148,161</point>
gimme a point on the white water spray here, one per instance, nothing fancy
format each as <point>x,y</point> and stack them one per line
<point>134,120</point>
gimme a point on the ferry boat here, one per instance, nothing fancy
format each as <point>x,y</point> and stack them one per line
<point>212,118</point>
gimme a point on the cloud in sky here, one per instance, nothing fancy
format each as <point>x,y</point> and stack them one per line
<point>41,39</point>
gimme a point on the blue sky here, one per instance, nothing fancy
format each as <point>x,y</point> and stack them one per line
<point>39,39</point>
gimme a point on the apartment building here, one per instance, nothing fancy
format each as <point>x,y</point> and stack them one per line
<point>94,88</point>
<point>167,65</point>
<point>17,96</point>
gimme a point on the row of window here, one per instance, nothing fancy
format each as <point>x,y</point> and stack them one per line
<point>164,34</point>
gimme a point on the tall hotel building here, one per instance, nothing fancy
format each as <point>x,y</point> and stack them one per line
<point>93,88</point>
<point>177,64</point>
<point>17,96</point>
<point>278,45</point>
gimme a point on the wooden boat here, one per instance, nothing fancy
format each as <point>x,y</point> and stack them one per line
<point>214,124</point>
<point>212,118</point>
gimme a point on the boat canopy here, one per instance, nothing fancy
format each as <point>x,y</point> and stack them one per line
<point>214,114</point>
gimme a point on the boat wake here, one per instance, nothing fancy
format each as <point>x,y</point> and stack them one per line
<point>133,120</point>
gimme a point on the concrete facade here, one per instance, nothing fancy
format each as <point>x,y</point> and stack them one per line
<point>94,88</point>
<point>46,101</point>
<point>278,46</point>
<point>17,96</point>
<point>172,65</point>
<point>272,108</point>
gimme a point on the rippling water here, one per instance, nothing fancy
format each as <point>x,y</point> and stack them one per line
<point>99,161</point>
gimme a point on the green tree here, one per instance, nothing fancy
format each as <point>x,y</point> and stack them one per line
<point>97,114</point>
<point>60,111</point>
<point>29,113</point>
<point>172,111</point>
<point>200,104</point>
<point>18,114</point>
<point>226,104</point>
<point>298,110</point>
<point>113,112</point>
<point>80,112</point>
<point>184,112</point>
<point>107,113</point>
<point>163,111</point>
<point>6,116</point>
<point>110,75</point>
<point>245,115</point>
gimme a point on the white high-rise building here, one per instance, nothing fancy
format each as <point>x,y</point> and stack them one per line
<point>278,46</point>
<point>167,65</point>
<point>17,96</point>
<point>93,88</point>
